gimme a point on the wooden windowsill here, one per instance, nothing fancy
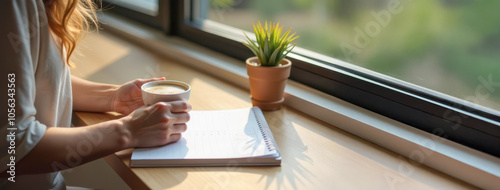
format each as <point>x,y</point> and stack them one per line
<point>315,154</point>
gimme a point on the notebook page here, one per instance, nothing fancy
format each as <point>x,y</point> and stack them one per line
<point>214,134</point>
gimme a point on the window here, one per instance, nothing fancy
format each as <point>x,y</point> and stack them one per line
<point>149,7</point>
<point>145,11</point>
<point>430,64</point>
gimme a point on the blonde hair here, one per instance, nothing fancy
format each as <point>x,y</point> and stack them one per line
<point>70,20</point>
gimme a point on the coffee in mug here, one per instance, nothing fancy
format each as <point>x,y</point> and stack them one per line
<point>165,91</point>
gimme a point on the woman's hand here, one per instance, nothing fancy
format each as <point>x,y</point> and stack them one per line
<point>128,97</point>
<point>156,125</point>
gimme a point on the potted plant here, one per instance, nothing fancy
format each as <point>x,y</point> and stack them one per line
<point>268,70</point>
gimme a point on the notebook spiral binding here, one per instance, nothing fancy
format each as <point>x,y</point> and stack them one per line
<point>265,133</point>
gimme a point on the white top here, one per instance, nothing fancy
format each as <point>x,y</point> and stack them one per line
<point>42,88</point>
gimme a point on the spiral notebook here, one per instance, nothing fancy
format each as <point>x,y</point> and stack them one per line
<point>235,137</point>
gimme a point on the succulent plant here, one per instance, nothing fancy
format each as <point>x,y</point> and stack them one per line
<point>271,47</point>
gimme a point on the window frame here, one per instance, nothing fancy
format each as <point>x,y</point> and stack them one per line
<point>435,113</point>
<point>160,21</point>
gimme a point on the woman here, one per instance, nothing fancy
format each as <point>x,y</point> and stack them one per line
<point>37,38</point>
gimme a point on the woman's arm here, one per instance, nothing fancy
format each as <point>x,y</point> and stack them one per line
<point>100,97</point>
<point>61,148</point>
<point>92,96</point>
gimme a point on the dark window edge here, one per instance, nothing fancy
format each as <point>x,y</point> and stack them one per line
<point>160,21</point>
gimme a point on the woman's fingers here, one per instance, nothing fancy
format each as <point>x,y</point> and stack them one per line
<point>174,138</point>
<point>179,128</point>
<point>180,118</point>
<point>159,124</point>
<point>175,112</point>
<point>172,107</point>
<point>140,82</point>
<point>180,106</point>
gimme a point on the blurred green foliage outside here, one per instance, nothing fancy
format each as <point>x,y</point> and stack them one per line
<point>443,45</point>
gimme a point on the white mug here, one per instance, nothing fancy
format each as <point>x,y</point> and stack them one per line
<point>165,91</point>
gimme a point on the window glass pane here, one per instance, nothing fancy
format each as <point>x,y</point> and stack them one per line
<point>450,46</point>
<point>149,7</point>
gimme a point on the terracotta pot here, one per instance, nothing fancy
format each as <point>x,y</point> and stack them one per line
<point>267,84</point>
